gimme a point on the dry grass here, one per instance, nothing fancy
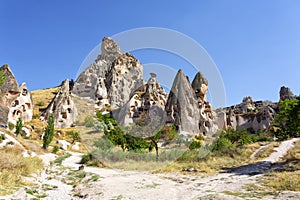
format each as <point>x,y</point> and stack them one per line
<point>266,152</point>
<point>45,96</point>
<point>13,167</point>
<point>287,177</point>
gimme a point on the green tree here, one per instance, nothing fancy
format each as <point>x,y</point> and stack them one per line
<point>74,136</point>
<point>49,132</point>
<point>287,122</point>
<point>2,77</point>
<point>19,126</point>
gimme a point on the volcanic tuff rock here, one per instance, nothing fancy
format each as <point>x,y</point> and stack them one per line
<point>22,107</point>
<point>62,107</point>
<point>286,93</point>
<point>182,106</point>
<point>146,98</point>
<point>207,122</point>
<point>112,78</point>
<point>15,102</point>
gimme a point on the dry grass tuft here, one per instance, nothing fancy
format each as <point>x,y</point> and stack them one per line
<point>13,166</point>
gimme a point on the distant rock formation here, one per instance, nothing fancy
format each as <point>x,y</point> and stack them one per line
<point>62,107</point>
<point>286,93</point>
<point>252,116</point>
<point>15,102</point>
<point>112,78</point>
<point>182,106</point>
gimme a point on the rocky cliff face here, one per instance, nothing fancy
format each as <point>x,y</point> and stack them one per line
<point>22,106</point>
<point>112,78</point>
<point>62,107</point>
<point>286,93</point>
<point>182,107</point>
<point>15,101</point>
<point>146,98</point>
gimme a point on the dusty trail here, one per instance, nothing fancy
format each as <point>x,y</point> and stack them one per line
<point>118,184</point>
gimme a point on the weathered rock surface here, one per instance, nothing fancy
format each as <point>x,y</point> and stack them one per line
<point>182,107</point>
<point>15,101</point>
<point>62,107</point>
<point>145,99</point>
<point>22,106</point>
<point>252,116</point>
<point>208,120</point>
<point>111,79</point>
<point>286,93</point>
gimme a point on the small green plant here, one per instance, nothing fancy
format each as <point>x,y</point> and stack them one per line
<point>195,145</point>
<point>49,132</point>
<point>60,159</point>
<point>11,126</point>
<point>89,121</point>
<point>19,127</point>
<point>40,103</point>
<point>74,136</point>
<point>55,149</point>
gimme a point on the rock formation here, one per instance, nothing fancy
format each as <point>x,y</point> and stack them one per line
<point>286,93</point>
<point>182,106</point>
<point>145,99</point>
<point>207,120</point>
<point>22,106</point>
<point>112,78</point>
<point>15,102</point>
<point>62,107</point>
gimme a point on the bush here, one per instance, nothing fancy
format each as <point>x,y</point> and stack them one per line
<point>11,126</point>
<point>74,136</point>
<point>55,149</point>
<point>19,127</point>
<point>195,145</point>
<point>40,103</point>
<point>222,144</point>
<point>89,121</point>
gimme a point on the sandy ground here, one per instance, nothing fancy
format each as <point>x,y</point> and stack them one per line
<point>118,184</point>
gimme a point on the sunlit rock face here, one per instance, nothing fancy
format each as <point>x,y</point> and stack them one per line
<point>286,93</point>
<point>144,100</point>
<point>15,102</point>
<point>22,106</point>
<point>111,79</point>
<point>62,107</point>
<point>182,106</point>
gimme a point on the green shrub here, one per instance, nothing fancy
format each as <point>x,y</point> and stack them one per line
<point>195,145</point>
<point>74,136</point>
<point>89,121</point>
<point>19,127</point>
<point>222,144</point>
<point>40,103</point>
<point>11,126</point>
<point>55,149</point>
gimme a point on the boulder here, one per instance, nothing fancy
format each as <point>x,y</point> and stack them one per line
<point>63,144</point>
<point>76,147</point>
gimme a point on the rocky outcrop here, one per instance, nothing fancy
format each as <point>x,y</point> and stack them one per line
<point>111,79</point>
<point>62,107</point>
<point>182,106</point>
<point>208,120</point>
<point>22,106</point>
<point>15,102</point>
<point>286,93</point>
<point>124,78</point>
<point>145,100</point>
<point>252,116</point>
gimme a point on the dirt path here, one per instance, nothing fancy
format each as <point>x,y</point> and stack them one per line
<point>119,184</point>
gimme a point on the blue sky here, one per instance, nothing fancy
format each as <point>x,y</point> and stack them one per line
<point>255,44</point>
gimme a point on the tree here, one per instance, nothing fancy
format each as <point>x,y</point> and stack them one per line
<point>19,126</point>
<point>74,136</point>
<point>2,77</point>
<point>49,132</point>
<point>287,122</point>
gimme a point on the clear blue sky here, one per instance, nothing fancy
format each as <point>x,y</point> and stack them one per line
<point>255,44</point>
